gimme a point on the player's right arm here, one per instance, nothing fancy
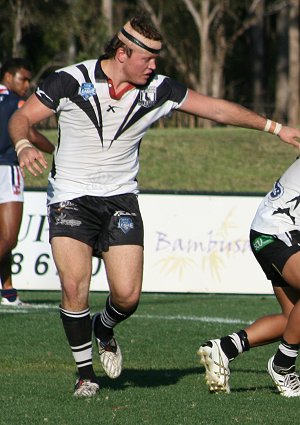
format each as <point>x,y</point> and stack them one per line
<point>20,124</point>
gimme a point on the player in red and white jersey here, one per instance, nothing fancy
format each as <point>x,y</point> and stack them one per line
<point>14,84</point>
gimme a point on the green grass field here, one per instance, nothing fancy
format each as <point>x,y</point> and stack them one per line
<point>162,382</point>
<point>220,159</point>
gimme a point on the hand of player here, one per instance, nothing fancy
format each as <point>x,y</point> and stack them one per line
<point>290,135</point>
<point>33,160</point>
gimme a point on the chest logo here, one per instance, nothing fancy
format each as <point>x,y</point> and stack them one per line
<point>147,97</point>
<point>86,90</point>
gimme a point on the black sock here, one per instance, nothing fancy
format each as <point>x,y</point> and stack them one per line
<point>285,358</point>
<point>10,294</point>
<point>108,319</point>
<point>78,329</point>
<point>234,344</point>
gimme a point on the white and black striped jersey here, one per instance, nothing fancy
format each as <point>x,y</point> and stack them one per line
<point>279,211</point>
<point>99,135</point>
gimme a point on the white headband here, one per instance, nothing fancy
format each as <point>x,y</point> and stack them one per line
<point>137,41</point>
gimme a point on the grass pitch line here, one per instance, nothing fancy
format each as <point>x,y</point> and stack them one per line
<point>28,308</point>
<point>205,319</point>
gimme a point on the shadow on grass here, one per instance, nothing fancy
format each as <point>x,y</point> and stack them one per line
<point>146,378</point>
<point>253,388</point>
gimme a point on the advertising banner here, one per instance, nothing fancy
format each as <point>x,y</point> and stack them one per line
<point>193,243</point>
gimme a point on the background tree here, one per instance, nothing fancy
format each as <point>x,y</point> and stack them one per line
<point>257,34</point>
<point>293,104</point>
<point>245,51</point>
<point>282,65</point>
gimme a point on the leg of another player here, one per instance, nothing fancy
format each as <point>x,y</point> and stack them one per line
<point>282,365</point>
<point>216,354</point>
<point>291,273</point>
<point>10,222</point>
<point>270,328</point>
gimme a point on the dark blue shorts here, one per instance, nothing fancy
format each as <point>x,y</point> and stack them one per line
<point>273,251</point>
<point>100,222</point>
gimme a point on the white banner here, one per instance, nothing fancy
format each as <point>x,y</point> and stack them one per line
<point>193,243</point>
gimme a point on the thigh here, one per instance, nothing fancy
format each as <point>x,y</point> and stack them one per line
<point>10,221</point>
<point>11,183</point>
<point>124,269</point>
<point>287,298</point>
<point>73,260</point>
<point>291,271</point>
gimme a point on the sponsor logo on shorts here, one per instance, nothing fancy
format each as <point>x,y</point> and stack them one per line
<point>262,241</point>
<point>125,224</point>
<point>87,90</point>
<point>68,205</point>
<point>62,220</point>
<point>121,213</point>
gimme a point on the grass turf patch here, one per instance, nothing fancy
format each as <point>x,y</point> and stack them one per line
<point>162,382</point>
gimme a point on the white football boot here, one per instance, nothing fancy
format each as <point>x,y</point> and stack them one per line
<point>288,385</point>
<point>110,355</point>
<point>216,364</point>
<point>85,388</point>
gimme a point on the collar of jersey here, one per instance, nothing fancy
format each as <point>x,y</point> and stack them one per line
<point>112,91</point>
<point>100,75</point>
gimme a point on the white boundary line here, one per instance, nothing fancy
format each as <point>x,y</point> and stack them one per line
<point>27,309</point>
<point>203,319</point>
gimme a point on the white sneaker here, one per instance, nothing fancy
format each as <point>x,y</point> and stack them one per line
<point>110,355</point>
<point>85,388</point>
<point>216,363</point>
<point>288,385</point>
<point>16,303</point>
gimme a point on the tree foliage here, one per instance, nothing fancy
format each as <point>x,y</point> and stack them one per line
<point>244,51</point>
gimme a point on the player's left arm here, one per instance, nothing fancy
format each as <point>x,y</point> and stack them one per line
<point>225,112</point>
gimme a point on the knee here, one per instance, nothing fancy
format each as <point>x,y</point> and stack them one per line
<point>6,246</point>
<point>126,300</point>
<point>74,295</point>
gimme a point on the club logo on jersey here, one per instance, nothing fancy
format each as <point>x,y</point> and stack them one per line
<point>147,97</point>
<point>86,90</point>
<point>125,224</point>
<point>277,191</point>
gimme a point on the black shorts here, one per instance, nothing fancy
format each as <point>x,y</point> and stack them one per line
<point>100,222</point>
<point>273,251</point>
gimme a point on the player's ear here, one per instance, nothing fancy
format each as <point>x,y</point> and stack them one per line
<point>8,77</point>
<point>121,54</point>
